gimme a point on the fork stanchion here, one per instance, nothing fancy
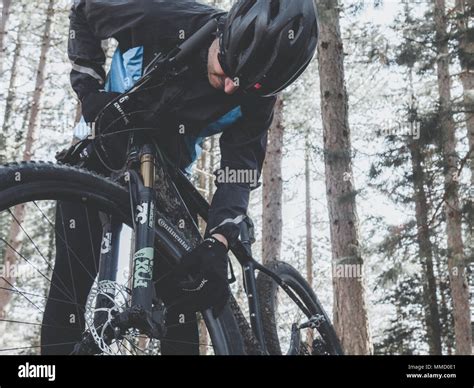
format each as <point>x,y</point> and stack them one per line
<point>142,285</point>
<point>108,263</point>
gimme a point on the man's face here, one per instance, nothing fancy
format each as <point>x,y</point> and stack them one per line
<point>217,78</point>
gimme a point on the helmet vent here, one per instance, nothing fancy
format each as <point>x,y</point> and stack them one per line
<point>245,8</point>
<point>296,26</point>
<point>274,9</point>
<point>248,38</point>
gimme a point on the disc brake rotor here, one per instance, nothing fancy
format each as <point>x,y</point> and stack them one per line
<point>116,297</point>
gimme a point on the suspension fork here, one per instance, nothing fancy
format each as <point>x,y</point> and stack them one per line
<point>108,262</point>
<point>142,268</point>
<point>139,314</point>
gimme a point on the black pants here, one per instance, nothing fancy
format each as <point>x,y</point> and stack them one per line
<point>78,241</point>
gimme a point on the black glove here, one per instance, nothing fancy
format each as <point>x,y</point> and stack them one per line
<point>94,102</point>
<point>208,287</point>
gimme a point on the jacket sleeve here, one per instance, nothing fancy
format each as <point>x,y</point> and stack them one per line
<point>243,148</point>
<point>159,17</point>
<point>86,54</point>
<point>133,23</point>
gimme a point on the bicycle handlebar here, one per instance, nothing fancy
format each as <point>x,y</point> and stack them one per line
<point>179,55</point>
<point>195,42</point>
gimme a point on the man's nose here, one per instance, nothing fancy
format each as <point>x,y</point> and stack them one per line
<point>230,86</point>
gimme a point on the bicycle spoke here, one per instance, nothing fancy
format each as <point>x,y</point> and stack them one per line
<point>62,290</point>
<point>68,247</point>
<point>36,346</point>
<point>36,269</point>
<point>41,255</point>
<point>137,349</point>
<point>35,324</point>
<point>91,241</point>
<point>188,343</point>
<point>34,244</point>
<point>70,262</point>
<point>119,345</point>
<point>29,300</point>
<point>18,291</point>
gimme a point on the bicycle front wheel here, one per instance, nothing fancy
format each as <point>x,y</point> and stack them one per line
<point>29,193</point>
<point>287,329</point>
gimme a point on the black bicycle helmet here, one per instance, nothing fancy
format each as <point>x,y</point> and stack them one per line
<point>267,44</point>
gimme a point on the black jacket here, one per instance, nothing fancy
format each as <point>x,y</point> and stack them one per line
<point>187,102</point>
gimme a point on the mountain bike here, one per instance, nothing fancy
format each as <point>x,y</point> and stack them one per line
<point>152,199</point>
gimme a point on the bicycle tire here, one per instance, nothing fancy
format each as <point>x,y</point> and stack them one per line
<point>24,182</point>
<point>267,290</point>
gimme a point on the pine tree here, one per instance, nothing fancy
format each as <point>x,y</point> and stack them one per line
<point>350,310</point>
<point>272,223</point>
<point>456,256</point>
<point>6,5</point>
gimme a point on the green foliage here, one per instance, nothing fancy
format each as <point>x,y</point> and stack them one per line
<point>405,334</point>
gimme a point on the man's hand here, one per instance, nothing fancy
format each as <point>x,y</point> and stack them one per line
<point>202,277</point>
<point>94,102</point>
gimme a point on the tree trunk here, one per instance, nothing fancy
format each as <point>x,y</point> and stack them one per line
<point>445,314</point>
<point>204,171</point>
<point>456,258</point>
<point>465,12</point>
<point>432,319</point>
<point>3,30</point>
<point>39,84</point>
<point>350,311</point>
<point>19,211</point>
<point>212,165</point>
<point>273,189</point>
<point>11,85</point>
<point>309,224</point>
<point>10,97</point>
<point>309,218</point>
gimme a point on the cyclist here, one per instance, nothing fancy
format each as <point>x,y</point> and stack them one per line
<point>259,48</point>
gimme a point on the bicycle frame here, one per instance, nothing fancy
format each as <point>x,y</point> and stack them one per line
<point>145,156</point>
